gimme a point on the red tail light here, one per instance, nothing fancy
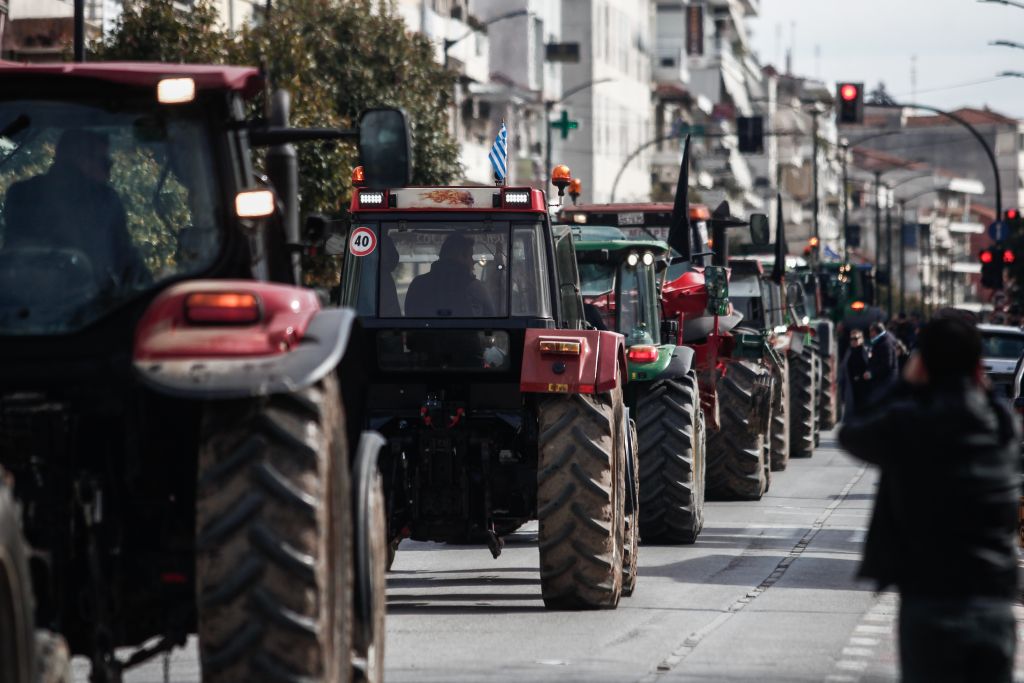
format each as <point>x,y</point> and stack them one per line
<point>224,308</point>
<point>643,354</point>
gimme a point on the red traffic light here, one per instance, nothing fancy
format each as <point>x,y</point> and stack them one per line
<point>848,92</point>
<point>1008,256</point>
<point>985,256</point>
<point>1012,214</point>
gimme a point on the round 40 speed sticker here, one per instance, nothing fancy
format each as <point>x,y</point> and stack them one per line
<point>362,242</point>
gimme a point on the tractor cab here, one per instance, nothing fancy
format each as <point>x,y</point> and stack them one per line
<point>619,283</point>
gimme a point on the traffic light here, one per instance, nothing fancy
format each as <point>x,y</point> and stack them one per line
<point>1014,221</point>
<point>992,260</point>
<point>850,103</point>
<point>750,130</point>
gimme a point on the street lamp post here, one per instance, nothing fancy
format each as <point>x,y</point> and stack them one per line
<point>448,44</point>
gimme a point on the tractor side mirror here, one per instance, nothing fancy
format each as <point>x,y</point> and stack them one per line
<point>760,235</point>
<point>385,148</point>
<point>716,279</point>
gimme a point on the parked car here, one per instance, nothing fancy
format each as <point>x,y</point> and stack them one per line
<point>1002,346</point>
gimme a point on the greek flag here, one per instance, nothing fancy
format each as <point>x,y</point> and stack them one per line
<point>831,253</point>
<point>499,154</point>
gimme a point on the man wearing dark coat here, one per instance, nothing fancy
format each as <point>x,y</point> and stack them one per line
<point>855,377</point>
<point>450,289</point>
<point>944,526</point>
<point>884,364</point>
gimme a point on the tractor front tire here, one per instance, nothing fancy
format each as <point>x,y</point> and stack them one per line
<point>737,465</point>
<point>803,403</point>
<point>672,461</point>
<point>780,419</point>
<point>631,542</point>
<point>829,406</point>
<point>580,492</point>
<point>371,561</point>
<point>274,539</point>
<point>17,639</point>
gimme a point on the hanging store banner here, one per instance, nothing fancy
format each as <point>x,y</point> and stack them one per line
<point>695,30</point>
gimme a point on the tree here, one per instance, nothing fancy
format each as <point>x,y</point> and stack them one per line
<point>336,57</point>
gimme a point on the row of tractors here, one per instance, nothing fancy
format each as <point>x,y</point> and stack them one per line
<point>200,445</point>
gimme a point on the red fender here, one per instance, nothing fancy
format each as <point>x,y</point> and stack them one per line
<point>292,344</point>
<point>595,369</point>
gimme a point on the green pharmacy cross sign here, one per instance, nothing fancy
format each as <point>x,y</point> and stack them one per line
<point>565,124</point>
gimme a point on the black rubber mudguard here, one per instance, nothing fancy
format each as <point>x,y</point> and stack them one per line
<point>319,352</point>
<point>681,363</point>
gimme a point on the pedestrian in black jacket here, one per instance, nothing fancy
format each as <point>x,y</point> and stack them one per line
<point>944,526</point>
<point>855,377</point>
<point>884,365</point>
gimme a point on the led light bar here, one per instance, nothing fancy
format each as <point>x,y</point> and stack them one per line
<point>371,198</point>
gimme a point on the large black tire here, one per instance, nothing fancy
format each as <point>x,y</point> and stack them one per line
<point>817,397</point>
<point>803,403</point>
<point>631,542</point>
<point>17,640</point>
<point>274,539</point>
<point>780,419</point>
<point>672,460</point>
<point>829,406</point>
<point>738,455</point>
<point>580,492</point>
<point>371,559</point>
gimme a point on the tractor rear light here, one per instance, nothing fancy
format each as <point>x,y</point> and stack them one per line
<point>223,308</point>
<point>371,199</point>
<point>562,348</point>
<point>516,198</point>
<point>175,90</point>
<point>254,204</point>
<point>857,305</point>
<point>643,354</point>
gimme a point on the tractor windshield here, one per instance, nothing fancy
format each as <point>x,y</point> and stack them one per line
<point>449,269</point>
<point>99,201</point>
<point>621,297</point>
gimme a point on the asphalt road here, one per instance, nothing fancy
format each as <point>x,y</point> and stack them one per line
<point>767,594</point>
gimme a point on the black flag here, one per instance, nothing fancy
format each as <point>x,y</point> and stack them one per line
<point>779,269</point>
<point>679,228</point>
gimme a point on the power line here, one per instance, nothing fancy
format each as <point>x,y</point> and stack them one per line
<point>953,86</point>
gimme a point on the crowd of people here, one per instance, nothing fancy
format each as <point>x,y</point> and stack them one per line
<point>872,363</point>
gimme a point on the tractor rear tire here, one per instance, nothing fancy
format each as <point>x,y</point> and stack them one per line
<point>780,419</point>
<point>581,486</point>
<point>803,403</point>
<point>631,542</point>
<point>274,539</point>
<point>738,456</point>
<point>672,454</point>
<point>817,389</point>
<point>17,611</point>
<point>829,406</point>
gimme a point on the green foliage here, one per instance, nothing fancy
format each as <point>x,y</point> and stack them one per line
<point>337,58</point>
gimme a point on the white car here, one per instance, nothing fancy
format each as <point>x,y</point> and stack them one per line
<point>1001,347</point>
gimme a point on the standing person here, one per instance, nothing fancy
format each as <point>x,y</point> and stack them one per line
<point>855,374</point>
<point>884,364</point>
<point>940,429</point>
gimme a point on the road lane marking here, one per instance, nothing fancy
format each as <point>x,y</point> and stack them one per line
<point>697,637</point>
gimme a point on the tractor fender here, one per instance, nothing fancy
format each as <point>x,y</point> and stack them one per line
<point>596,368</point>
<point>293,345</point>
<point>679,365</point>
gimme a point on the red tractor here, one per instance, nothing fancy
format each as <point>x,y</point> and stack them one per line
<point>499,403</point>
<point>172,404</point>
<point>735,389</point>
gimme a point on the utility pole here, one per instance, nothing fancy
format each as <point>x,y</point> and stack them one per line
<point>814,167</point>
<point>845,149</point>
<point>888,249</point>
<point>903,256</point>
<point>878,227</point>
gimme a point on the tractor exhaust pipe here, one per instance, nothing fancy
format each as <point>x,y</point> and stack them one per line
<point>283,171</point>
<point>79,46</point>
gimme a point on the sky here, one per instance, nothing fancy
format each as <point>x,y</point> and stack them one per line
<point>874,40</point>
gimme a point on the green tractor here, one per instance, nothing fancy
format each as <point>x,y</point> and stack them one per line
<point>619,282</point>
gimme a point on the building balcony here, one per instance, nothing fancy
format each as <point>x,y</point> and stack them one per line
<point>669,66</point>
